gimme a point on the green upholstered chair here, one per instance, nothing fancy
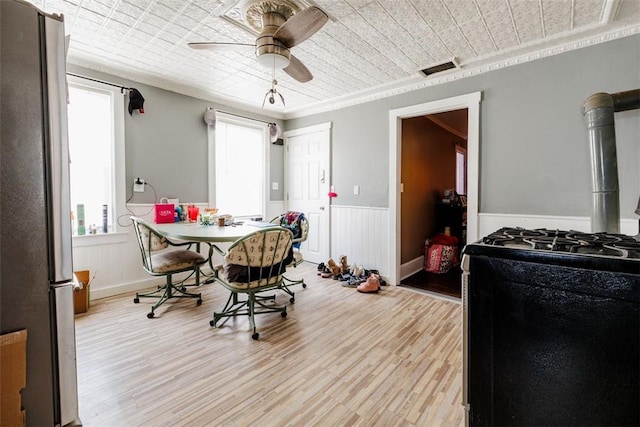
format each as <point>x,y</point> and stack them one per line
<point>162,257</point>
<point>300,235</point>
<point>253,264</point>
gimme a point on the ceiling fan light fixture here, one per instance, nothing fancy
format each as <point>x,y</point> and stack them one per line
<point>273,60</point>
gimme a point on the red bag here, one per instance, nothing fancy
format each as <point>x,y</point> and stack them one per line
<point>164,213</point>
<point>441,253</point>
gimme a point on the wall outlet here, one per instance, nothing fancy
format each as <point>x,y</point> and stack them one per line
<point>138,185</point>
<point>356,189</point>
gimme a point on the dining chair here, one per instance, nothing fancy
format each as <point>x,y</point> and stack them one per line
<point>253,264</point>
<point>163,257</point>
<point>299,226</point>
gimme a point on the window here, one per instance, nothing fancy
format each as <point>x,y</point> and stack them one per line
<point>240,166</point>
<point>96,150</point>
<point>461,170</point>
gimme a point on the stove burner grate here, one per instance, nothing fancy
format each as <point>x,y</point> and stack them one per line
<point>616,245</point>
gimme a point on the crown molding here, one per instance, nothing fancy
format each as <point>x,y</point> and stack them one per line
<point>526,53</point>
<point>469,69</point>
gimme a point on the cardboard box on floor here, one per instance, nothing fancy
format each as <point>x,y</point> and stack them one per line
<point>81,296</point>
<point>13,377</point>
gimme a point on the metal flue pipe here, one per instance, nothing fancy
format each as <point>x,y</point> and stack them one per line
<point>598,111</point>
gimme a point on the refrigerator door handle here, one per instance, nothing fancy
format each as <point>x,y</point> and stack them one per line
<point>56,136</point>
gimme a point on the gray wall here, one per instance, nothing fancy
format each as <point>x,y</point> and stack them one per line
<point>167,145</point>
<point>534,155</point>
<point>534,151</point>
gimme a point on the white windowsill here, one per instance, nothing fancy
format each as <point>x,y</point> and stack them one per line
<point>100,239</point>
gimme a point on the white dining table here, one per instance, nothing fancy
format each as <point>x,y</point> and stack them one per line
<point>195,232</point>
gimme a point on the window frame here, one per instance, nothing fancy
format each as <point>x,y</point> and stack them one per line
<point>211,137</point>
<point>118,158</point>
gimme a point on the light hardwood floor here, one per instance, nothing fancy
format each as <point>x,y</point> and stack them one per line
<point>339,358</point>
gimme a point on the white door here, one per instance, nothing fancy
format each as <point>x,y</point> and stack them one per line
<point>307,176</point>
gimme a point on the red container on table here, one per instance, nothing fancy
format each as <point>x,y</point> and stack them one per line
<point>192,212</point>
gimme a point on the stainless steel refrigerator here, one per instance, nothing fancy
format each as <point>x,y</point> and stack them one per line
<point>36,269</point>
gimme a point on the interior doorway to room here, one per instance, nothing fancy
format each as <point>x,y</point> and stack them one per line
<point>433,172</point>
<point>400,269</point>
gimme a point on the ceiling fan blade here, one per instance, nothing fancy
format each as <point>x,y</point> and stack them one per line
<point>298,70</point>
<point>220,47</point>
<point>301,26</point>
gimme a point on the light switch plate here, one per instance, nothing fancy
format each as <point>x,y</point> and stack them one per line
<point>356,189</point>
<point>274,185</point>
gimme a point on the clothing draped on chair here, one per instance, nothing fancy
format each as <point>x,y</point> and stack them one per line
<point>299,226</point>
<point>159,260</point>
<point>293,221</point>
<point>253,264</point>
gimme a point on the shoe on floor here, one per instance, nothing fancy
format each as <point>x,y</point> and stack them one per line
<point>353,269</point>
<point>351,283</point>
<point>358,271</point>
<point>344,267</point>
<point>332,269</point>
<point>372,285</point>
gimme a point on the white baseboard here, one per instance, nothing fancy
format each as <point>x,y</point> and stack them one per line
<point>138,285</point>
<point>412,267</point>
<point>124,288</point>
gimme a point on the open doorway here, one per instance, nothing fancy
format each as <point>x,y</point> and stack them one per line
<point>471,102</point>
<point>433,172</point>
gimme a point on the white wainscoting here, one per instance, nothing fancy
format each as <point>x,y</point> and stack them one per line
<point>361,233</point>
<point>115,258</point>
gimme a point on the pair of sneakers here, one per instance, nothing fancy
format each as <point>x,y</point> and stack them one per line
<point>356,275</point>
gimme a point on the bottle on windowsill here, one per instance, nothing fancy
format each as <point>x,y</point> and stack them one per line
<point>81,228</point>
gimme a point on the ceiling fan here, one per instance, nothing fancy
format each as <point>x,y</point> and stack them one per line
<point>282,25</point>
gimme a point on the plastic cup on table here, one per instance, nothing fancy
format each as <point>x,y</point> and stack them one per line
<point>193,213</point>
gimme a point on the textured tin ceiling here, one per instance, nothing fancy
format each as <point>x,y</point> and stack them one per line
<point>368,49</point>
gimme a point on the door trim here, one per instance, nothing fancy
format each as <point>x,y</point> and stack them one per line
<point>469,101</point>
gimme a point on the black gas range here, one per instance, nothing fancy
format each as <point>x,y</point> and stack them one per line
<point>551,328</point>
<point>604,251</point>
